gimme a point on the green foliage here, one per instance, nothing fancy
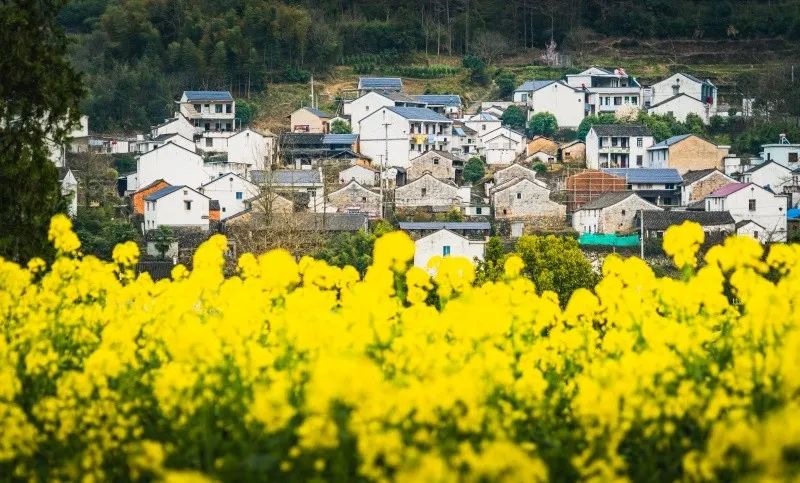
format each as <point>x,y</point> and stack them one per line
<point>490,269</point>
<point>540,168</point>
<point>474,169</point>
<point>514,117</point>
<point>162,237</point>
<point>99,231</point>
<point>125,164</point>
<point>39,94</point>
<point>589,121</point>
<point>340,127</point>
<point>555,263</point>
<point>477,69</point>
<point>381,228</point>
<point>506,82</point>
<point>245,111</point>
<point>354,249</point>
<point>542,124</point>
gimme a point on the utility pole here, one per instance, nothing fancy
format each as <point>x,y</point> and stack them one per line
<point>312,92</point>
<point>641,234</point>
<point>384,159</point>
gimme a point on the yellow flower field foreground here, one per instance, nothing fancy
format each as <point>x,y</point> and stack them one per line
<point>300,371</point>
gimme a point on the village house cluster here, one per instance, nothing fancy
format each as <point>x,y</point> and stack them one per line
<point>406,155</point>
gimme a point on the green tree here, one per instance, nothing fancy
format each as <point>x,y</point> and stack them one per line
<point>514,117</point>
<point>245,111</point>
<point>39,95</point>
<point>490,269</point>
<point>555,263</point>
<point>540,168</point>
<point>506,82</point>
<point>340,127</point>
<point>542,124</point>
<point>99,231</point>
<point>162,239</point>
<point>474,170</point>
<point>353,249</point>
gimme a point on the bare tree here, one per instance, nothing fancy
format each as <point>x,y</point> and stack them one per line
<point>491,46</point>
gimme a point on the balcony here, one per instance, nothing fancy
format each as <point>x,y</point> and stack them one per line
<point>614,150</point>
<point>429,138</point>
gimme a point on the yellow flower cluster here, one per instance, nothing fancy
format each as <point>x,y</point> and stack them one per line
<point>296,370</point>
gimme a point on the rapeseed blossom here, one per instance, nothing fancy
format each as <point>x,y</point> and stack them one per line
<point>296,370</point>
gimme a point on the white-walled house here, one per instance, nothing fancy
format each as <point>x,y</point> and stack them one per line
<point>445,243</point>
<point>769,174</point>
<point>783,152</point>
<point>748,201</point>
<point>680,107</point>
<point>208,110</point>
<point>231,190</point>
<point>679,84</point>
<point>503,145</point>
<point>372,101</point>
<point>403,133</point>
<point>360,174</point>
<point>252,147</point>
<point>617,146</point>
<point>482,123</point>
<point>176,125</point>
<point>176,206</point>
<point>172,163</point>
<point>465,142</point>
<point>565,102</point>
<point>69,190</point>
<point>606,90</point>
<point>448,104</point>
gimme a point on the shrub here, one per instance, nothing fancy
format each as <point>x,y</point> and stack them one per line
<point>543,124</point>
<point>298,371</point>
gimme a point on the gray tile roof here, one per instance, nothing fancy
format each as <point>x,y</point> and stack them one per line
<point>213,205</point>
<point>661,220</point>
<point>607,199</point>
<point>348,139</point>
<point>630,130</point>
<point>533,85</point>
<point>690,177</point>
<point>758,166</point>
<point>669,141</point>
<point>389,83</point>
<point>208,96</point>
<point>670,99</point>
<point>400,97</point>
<point>419,114</point>
<point>446,225</point>
<point>302,138</point>
<point>450,100</point>
<point>330,221</point>
<point>286,177</point>
<point>318,112</point>
<point>647,175</point>
<point>163,192</point>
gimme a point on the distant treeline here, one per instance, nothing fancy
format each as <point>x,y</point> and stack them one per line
<point>137,53</point>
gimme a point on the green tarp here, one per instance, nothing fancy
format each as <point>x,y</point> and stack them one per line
<point>609,240</point>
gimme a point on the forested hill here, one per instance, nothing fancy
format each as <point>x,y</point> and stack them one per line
<point>137,53</point>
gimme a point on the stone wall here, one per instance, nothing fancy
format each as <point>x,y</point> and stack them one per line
<point>426,191</point>
<point>433,162</point>
<point>695,153</point>
<point>708,185</point>
<point>354,196</point>
<point>619,218</point>
<point>526,198</point>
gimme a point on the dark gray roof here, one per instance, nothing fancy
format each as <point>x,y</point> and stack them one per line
<point>669,141</point>
<point>533,85</point>
<point>388,83</point>
<point>348,139</point>
<point>451,100</point>
<point>691,77</point>
<point>213,205</point>
<point>400,97</point>
<point>758,166</point>
<point>302,138</point>
<point>742,223</point>
<point>286,177</point>
<point>670,99</point>
<point>607,199</point>
<point>647,175</point>
<point>446,225</point>
<point>331,221</point>
<point>661,220</point>
<point>690,177</point>
<point>419,114</point>
<point>163,192</point>
<point>318,113</point>
<point>621,130</point>
<point>208,95</point>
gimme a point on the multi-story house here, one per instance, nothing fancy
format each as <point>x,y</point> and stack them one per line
<point>667,93</point>
<point>606,90</point>
<point>660,186</point>
<point>749,202</point>
<point>567,103</point>
<point>371,101</point>
<point>213,115</point>
<point>686,152</point>
<point>393,136</point>
<point>617,146</point>
<point>783,152</point>
<point>447,104</point>
<point>465,143</point>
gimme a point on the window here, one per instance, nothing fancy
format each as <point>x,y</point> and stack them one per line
<point>483,127</point>
<point>623,212</point>
<point>669,186</point>
<point>634,100</point>
<point>478,210</point>
<point>363,199</point>
<point>227,126</point>
<point>436,161</point>
<point>446,250</point>
<point>218,108</point>
<point>638,160</point>
<point>519,196</point>
<point>207,107</point>
<point>239,195</point>
<point>209,142</point>
<point>229,108</point>
<point>752,205</point>
<point>524,97</point>
<point>618,100</point>
<point>366,108</point>
<point>187,205</point>
<point>639,142</point>
<point>792,157</point>
<point>197,107</point>
<point>424,191</point>
<point>755,234</point>
<point>223,209</point>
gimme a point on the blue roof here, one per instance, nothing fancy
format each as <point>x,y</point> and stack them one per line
<point>380,83</point>
<point>419,114</point>
<point>348,139</point>
<point>459,131</point>
<point>163,192</point>
<point>669,141</point>
<point>647,175</point>
<point>208,95</point>
<point>533,85</point>
<point>451,100</point>
<point>793,213</point>
<point>483,116</point>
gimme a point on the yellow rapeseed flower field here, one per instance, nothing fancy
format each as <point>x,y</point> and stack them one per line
<point>298,371</point>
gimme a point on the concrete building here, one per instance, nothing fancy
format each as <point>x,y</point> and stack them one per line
<point>372,101</point>
<point>445,243</point>
<point>656,222</point>
<point>482,123</point>
<point>682,84</point>
<point>617,146</point>
<point>231,192</point>
<point>567,103</point>
<point>606,90</point>
<point>783,152</point>
<point>747,201</point>
<point>686,152</point>
<point>610,213</point>
<point>311,120</point>
<point>503,145</point>
<point>137,198</point>
<point>252,147</point>
<point>395,135</point>
<point>174,164</point>
<point>446,104</point>
<point>660,186</point>
<point>386,84</point>
<point>680,107</point>
<point>213,115</point>
<point>176,206</point>
<point>771,175</point>
<point>361,174</point>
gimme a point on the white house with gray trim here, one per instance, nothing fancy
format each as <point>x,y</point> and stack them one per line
<point>617,145</point>
<point>445,243</point>
<point>176,206</point>
<point>566,103</point>
<point>231,190</point>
